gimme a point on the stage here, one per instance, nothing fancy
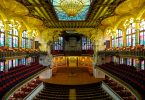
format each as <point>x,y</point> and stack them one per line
<point>75,78</point>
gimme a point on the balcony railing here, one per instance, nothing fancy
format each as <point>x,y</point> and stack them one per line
<point>7,53</point>
<point>72,53</point>
<point>126,51</point>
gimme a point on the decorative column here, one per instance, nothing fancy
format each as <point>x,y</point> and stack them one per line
<point>114,35</point>
<point>6,28</point>
<point>137,22</point>
<point>20,38</point>
<point>29,37</point>
<point>138,64</point>
<point>110,42</point>
<point>124,37</point>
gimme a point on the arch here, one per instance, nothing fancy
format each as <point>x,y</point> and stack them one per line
<point>2,15</point>
<point>107,29</point>
<point>141,12</point>
<point>123,18</point>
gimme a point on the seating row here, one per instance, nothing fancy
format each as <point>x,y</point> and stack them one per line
<point>10,79</point>
<point>83,92</point>
<point>25,90</point>
<point>128,74</point>
<point>119,89</point>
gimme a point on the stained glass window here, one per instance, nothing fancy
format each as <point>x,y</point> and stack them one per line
<point>2,39</point>
<point>130,36</point>
<point>142,65</point>
<point>121,60</point>
<point>58,45</point>
<point>10,65</point>
<point>29,60</point>
<point>134,62</point>
<point>129,61</point>
<point>142,34</point>
<point>117,60</point>
<point>63,14</point>
<point>1,66</point>
<point>86,44</point>
<point>10,41</point>
<point>26,61</point>
<point>31,43</point>
<point>15,41</point>
<point>24,39</point>
<point>13,38</point>
<point>113,41</point>
<point>15,62</point>
<point>119,38</point>
<point>23,61</point>
<point>2,36</point>
<point>114,59</point>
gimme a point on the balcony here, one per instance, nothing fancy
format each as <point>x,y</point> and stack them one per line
<point>138,51</point>
<point>6,53</point>
<point>72,53</point>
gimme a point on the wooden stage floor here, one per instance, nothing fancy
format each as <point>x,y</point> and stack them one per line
<point>67,78</point>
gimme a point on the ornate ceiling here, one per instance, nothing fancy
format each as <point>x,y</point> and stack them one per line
<point>44,10</point>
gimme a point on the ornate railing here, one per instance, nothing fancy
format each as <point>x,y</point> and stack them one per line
<point>7,53</point>
<point>72,53</point>
<point>128,51</point>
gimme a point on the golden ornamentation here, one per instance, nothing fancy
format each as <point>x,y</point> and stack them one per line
<point>72,7</point>
<point>33,21</point>
<point>14,7</point>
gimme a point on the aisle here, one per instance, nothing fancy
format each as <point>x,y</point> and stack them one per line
<point>72,94</point>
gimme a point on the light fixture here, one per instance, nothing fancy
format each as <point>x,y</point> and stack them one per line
<point>12,24</point>
<point>1,25</point>
<point>34,33</point>
<point>130,23</point>
<point>110,32</point>
<point>142,23</point>
<point>72,7</point>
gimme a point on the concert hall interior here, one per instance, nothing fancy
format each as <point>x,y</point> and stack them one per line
<point>72,49</point>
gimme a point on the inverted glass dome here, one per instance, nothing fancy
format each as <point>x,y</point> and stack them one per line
<point>71,10</point>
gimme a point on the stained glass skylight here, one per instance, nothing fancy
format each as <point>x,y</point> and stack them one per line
<point>62,14</point>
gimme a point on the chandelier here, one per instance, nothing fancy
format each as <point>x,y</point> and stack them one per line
<point>72,7</point>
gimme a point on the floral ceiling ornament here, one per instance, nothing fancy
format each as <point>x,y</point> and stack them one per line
<point>12,24</point>
<point>1,24</point>
<point>110,32</point>
<point>142,23</point>
<point>130,22</point>
<point>72,7</point>
<point>134,23</point>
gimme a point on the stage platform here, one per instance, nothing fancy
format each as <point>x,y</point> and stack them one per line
<point>68,78</point>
